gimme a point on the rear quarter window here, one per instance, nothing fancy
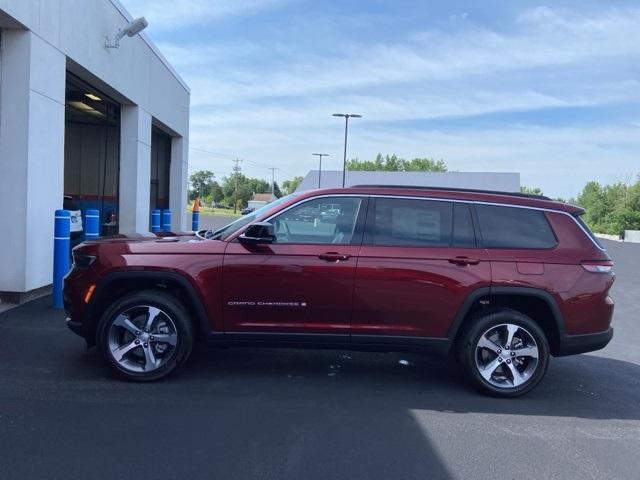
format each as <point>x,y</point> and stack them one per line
<point>512,227</point>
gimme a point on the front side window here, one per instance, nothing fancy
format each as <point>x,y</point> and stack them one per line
<point>330,220</point>
<point>412,223</point>
<point>512,227</point>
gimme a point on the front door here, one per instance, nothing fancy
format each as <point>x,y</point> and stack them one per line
<point>302,283</point>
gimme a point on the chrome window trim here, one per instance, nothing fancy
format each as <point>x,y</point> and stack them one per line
<point>453,200</point>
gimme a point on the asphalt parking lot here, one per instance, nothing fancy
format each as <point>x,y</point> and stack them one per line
<point>289,414</point>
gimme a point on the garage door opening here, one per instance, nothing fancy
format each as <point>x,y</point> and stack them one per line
<point>91,152</point>
<point>160,165</point>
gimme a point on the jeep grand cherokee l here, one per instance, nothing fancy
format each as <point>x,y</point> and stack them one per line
<point>502,281</point>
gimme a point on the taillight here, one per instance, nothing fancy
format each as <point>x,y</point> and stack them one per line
<point>598,267</point>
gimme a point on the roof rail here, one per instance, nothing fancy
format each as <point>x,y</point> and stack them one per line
<point>457,189</point>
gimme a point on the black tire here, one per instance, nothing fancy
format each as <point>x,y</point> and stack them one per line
<point>471,356</point>
<point>173,355</point>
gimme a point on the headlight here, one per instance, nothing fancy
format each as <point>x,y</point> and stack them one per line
<point>83,261</point>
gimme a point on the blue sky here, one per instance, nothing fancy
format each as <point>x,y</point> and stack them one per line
<point>550,91</point>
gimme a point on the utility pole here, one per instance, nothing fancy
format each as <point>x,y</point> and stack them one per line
<point>320,155</point>
<point>346,116</point>
<point>236,170</point>
<point>273,181</point>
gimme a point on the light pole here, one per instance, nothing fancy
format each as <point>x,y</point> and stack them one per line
<point>320,155</point>
<point>346,116</point>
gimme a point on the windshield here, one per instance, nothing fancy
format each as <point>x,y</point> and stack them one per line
<point>224,232</point>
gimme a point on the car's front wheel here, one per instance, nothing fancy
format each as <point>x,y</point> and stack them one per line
<point>504,353</point>
<point>145,335</point>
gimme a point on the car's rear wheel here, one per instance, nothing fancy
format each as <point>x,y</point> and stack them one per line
<point>145,335</point>
<point>504,353</point>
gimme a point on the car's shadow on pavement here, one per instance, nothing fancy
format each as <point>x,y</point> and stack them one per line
<point>584,386</point>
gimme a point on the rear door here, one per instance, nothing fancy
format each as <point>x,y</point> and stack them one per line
<point>303,282</point>
<point>417,264</point>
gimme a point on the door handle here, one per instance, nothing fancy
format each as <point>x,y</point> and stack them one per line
<point>464,261</point>
<point>333,257</point>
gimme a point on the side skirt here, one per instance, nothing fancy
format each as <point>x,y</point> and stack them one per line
<point>377,343</point>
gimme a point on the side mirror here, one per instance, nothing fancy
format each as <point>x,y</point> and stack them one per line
<point>259,232</point>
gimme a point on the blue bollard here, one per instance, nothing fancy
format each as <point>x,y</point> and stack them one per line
<point>166,220</point>
<point>92,224</point>
<point>61,244</point>
<point>195,218</point>
<point>195,221</point>
<point>155,220</point>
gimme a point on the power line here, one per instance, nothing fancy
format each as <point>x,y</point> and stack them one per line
<point>233,158</point>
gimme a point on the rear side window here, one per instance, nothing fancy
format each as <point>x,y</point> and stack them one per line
<point>510,227</point>
<point>412,223</point>
<point>463,234</point>
<point>588,230</point>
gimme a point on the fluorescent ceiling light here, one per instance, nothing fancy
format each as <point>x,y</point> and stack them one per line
<point>93,97</point>
<point>83,107</point>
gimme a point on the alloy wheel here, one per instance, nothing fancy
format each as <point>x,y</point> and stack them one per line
<point>142,338</point>
<point>506,356</point>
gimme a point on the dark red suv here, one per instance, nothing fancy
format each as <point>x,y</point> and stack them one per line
<point>500,280</point>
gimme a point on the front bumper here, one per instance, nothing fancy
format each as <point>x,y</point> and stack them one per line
<point>76,283</point>
<point>573,344</point>
<point>76,327</point>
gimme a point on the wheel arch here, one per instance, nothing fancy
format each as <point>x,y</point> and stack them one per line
<point>115,284</point>
<point>536,303</point>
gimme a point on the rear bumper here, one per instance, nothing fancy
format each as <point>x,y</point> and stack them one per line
<point>573,344</point>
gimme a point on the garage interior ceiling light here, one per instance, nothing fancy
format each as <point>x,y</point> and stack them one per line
<point>83,107</point>
<point>93,97</point>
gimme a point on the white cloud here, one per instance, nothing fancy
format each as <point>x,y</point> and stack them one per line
<point>272,102</point>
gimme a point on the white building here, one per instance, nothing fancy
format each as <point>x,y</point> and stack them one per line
<point>499,181</point>
<point>106,128</point>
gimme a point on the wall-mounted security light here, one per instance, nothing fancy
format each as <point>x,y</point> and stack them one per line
<point>133,28</point>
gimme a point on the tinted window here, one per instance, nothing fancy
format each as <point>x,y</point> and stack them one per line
<point>588,230</point>
<point>322,220</point>
<point>509,227</point>
<point>417,223</point>
<point>463,234</point>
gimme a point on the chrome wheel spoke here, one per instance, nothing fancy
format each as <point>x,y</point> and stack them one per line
<point>170,338</point>
<point>484,342</point>
<point>518,378</point>
<point>150,359</point>
<point>527,352</point>
<point>511,330</point>
<point>124,322</point>
<point>152,313</point>
<point>489,368</point>
<point>121,351</point>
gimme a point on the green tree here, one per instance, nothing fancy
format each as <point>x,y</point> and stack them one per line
<point>289,186</point>
<point>392,163</point>
<point>257,185</point>
<point>531,190</point>
<point>217,195</point>
<point>201,182</point>
<point>611,208</point>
